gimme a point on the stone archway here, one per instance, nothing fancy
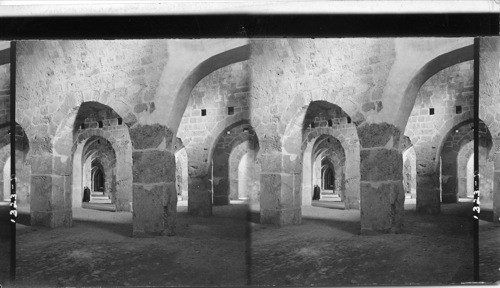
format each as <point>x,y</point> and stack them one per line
<point>347,178</point>
<point>119,146</point>
<point>220,158</point>
<point>23,166</point>
<point>328,177</point>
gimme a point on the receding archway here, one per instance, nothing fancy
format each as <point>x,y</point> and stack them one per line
<point>328,132</point>
<point>101,151</point>
<point>239,136</point>
<point>97,176</point>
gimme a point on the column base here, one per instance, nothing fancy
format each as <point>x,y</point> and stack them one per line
<point>200,204</point>
<point>52,219</point>
<point>281,217</point>
<point>221,200</point>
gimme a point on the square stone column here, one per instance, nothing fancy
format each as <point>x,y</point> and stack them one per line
<point>382,192</point>
<point>428,199</point>
<point>154,194</point>
<point>449,185</point>
<point>200,195</point>
<point>123,182</point>
<point>50,203</point>
<point>280,190</point>
<point>220,178</point>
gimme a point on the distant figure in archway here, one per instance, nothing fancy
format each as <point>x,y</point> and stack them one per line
<point>316,192</point>
<point>86,194</point>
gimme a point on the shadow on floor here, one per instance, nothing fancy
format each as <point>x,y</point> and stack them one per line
<point>351,226</point>
<point>24,218</point>
<point>486,215</point>
<point>123,229</point>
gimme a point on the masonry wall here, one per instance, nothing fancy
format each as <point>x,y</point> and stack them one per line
<point>454,142</point>
<point>350,73</point>
<point>51,73</point>
<point>287,75</point>
<point>451,87</point>
<point>221,89</point>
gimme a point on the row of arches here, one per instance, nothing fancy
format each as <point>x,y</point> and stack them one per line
<point>320,144</point>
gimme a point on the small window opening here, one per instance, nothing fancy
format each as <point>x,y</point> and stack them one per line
<point>203,112</point>
<point>349,120</point>
<point>120,121</point>
<point>82,126</point>
<point>458,109</point>
<point>312,125</point>
<point>431,111</point>
<point>101,124</point>
<point>230,110</point>
<point>330,123</point>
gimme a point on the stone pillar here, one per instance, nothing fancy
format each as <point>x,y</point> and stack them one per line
<point>220,178</point>
<point>428,198</point>
<point>50,203</point>
<point>350,177</point>
<point>449,177</point>
<point>123,183</point>
<point>382,192</point>
<point>280,187</point>
<point>199,185</point>
<point>154,194</point>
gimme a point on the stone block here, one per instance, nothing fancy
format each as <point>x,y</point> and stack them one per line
<point>60,167</point>
<point>147,136</point>
<point>428,196</point>
<point>153,166</point>
<point>292,163</point>
<point>123,205</point>
<point>382,207</point>
<point>41,164</point>
<point>41,193</point>
<point>281,217</point>
<point>170,209</point>
<point>381,164</point>
<point>449,190</point>
<point>200,198</point>
<point>61,218</point>
<point>52,219</point>
<point>57,194</point>
<point>270,191</point>
<point>271,163</point>
<point>148,210</point>
<point>378,135</point>
<point>221,192</point>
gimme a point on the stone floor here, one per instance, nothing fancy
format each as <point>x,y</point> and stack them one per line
<point>325,250</point>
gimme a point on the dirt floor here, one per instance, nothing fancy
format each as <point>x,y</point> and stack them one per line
<point>489,246</point>
<point>325,250</point>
